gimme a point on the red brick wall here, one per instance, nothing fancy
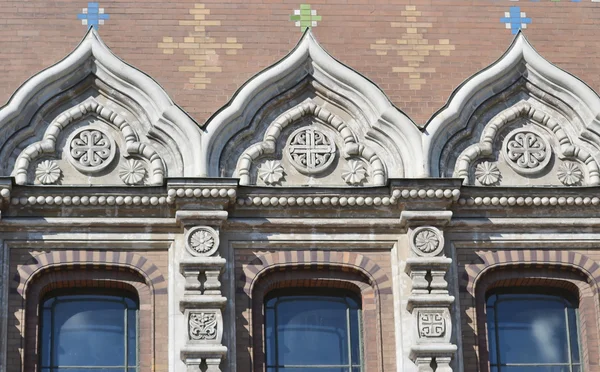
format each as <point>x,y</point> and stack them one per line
<point>456,38</point>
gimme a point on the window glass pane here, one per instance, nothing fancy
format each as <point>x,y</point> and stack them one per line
<point>89,370</point>
<point>355,336</point>
<point>319,333</point>
<point>491,326</point>
<point>326,369</point>
<point>531,330</point>
<point>132,327</point>
<point>574,331</point>
<point>45,333</point>
<point>535,369</point>
<point>270,336</point>
<point>88,331</point>
<point>312,331</point>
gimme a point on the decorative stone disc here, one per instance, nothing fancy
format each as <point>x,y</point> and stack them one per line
<point>310,150</point>
<point>526,151</point>
<point>427,241</point>
<point>90,149</point>
<point>202,241</point>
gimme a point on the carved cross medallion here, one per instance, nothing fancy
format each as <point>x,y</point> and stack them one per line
<point>310,150</point>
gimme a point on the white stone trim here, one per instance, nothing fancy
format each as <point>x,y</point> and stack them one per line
<point>89,107</point>
<point>521,60</point>
<point>385,123</point>
<point>268,145</point>
<point>524,109</point>
<point>167,121</point>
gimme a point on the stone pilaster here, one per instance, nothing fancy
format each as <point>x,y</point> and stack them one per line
<point>429,301</point>
<point>202,303</point>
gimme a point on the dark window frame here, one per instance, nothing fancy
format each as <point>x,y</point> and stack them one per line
<point>123,294</point>
<point>322,292</point>
<point>568,298</point>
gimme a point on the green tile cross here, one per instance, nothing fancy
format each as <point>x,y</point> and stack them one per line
<point>305,17</point>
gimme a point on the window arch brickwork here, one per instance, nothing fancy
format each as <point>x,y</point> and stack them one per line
<point>567,270</point>
<point>128,271</point>
<point>314,269</point>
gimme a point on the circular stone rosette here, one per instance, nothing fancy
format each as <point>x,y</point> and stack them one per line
<point>90,150</point>
<point>202,241</point>
<point>427,241</point>
<point>526,151</point>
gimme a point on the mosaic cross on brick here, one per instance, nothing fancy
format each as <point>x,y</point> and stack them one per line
<point>305,17</point>
<point>92,16</point>
<point>515,19</point>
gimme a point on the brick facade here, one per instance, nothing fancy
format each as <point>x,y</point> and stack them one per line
<point>417,153</point>
<point>235,40</point>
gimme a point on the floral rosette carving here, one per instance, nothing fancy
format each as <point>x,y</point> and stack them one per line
<point>427,241</point>
<point>355,173</point>
<point>132,172</point>
<point>570,173</point>
<point>202,241</point>
<point>487,173</point>
<point>47,172</point>
<point>271,172</point>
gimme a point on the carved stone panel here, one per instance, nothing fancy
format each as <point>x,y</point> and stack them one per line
<point>205,326</point>
<point>433,324</point>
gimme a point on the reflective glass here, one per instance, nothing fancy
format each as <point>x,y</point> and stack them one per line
<point>312,333</point>
<point>526,330</point>
<point>85,331</point>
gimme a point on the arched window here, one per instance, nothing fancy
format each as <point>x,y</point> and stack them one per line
<point>533,330</point>
<point>89,331</point>
<point>317,330</point>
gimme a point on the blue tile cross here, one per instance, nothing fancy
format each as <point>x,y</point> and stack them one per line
<point>515,20</point>
<point>93,15</point>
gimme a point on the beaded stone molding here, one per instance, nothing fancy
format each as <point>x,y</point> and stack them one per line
<point>89,107</point>
<point>342,201</point>
<point>529,200</point>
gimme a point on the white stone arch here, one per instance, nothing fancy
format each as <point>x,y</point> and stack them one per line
<point>383,124</point>
<point>268,145</point>
<point>524,109</point>
<point>167,128</point>
<point>521,70</point>
<point>90,107</point>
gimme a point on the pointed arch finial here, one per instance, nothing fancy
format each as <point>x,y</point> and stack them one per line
<point>309,63</point>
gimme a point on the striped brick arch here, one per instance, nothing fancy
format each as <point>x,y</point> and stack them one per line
<point>286,260</point>
<point>530,258</point>
<point>65,260</point>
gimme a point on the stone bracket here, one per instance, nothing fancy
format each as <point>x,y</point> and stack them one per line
<point>211,355</point>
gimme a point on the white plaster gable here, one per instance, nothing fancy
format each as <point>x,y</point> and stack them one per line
<point>124,104</point>
<point>305,87</point>
<point>520,95</point>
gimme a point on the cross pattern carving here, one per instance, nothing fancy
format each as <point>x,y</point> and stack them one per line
<point>526,149</point>
<point>431,324</point>
<point>311,150</point>
<point>91,148</point>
